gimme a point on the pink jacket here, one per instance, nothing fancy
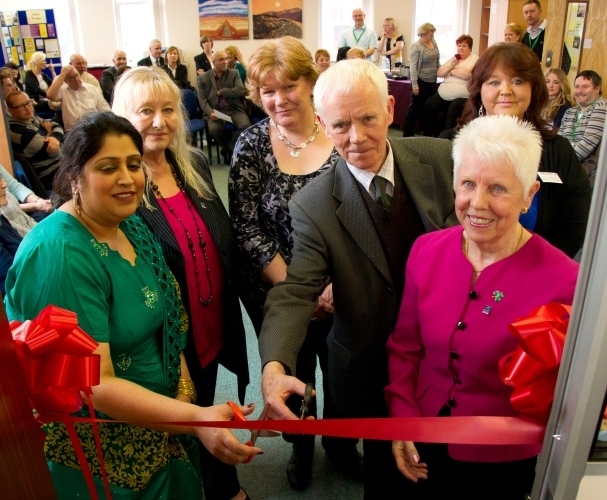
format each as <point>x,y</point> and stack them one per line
<point>445,349</point>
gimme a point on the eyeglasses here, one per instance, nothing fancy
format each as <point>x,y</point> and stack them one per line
<point>219,59</point>
<point>24,105</point>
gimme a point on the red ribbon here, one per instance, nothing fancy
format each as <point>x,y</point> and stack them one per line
<point>532,368</point>
<point>58,361</point>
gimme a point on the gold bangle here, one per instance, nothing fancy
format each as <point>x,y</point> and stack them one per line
<point>186,387</point>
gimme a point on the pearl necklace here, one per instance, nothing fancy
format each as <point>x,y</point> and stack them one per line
<point>467,246</point>
<point>202,244</point>
<point>295,150</point>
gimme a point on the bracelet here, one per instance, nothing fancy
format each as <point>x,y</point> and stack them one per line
<point>186,387</point>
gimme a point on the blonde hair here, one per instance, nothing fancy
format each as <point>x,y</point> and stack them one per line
<point>321,52</point>
<point>152,83</point>
<point>233,51</point>
<point>286,59</point>
<point>35,59</point>
<point>563,97</point>
<point>516,29</point>
<point>425,28</point>
<point>356,53</point>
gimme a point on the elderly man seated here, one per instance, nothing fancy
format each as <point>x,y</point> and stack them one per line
<point>38,140</point>
<point>75,96</point>
<point>221,90</point>
<point>81,65</point>
<point>110,75</point>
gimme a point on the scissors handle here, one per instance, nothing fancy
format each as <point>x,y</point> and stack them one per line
<point>241,418</point>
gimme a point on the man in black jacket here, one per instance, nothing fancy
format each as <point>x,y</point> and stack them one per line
<point>155,58</point>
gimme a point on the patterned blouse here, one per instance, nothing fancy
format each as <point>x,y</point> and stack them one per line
<point>259,194</point>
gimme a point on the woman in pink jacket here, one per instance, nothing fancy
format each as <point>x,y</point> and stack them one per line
<point>463,287</point>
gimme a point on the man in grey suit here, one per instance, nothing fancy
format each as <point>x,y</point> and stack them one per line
<point>355,225</point>
<point>221,89</point>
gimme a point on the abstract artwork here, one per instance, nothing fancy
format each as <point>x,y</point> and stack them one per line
<point>224,19</point>
<point>276,18</point>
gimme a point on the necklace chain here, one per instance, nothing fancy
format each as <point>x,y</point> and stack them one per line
<point>518,246</point>
<point>295,150</point>
<point>201,242</point>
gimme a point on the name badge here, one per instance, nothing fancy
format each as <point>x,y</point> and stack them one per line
<point>550,177</point>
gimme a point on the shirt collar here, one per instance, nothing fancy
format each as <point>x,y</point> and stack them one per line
<point>541,27</point>
<point>386,171</point>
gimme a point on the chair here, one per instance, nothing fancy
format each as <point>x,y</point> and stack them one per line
<point>196,125</point>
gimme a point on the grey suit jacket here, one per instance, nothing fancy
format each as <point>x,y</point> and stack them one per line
<point>232,90</point>
<point>334,236</point>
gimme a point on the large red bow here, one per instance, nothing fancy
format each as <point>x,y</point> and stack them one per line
<point>58,361</point>
<point>533,367</point>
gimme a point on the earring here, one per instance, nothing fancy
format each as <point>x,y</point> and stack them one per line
<point>481,111</point>
<point>75,198</point>
<point>524,210</point>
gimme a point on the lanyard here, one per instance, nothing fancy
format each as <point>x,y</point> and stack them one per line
<point>578,119</point>
<point>533,42</point>
<point>359,36</point>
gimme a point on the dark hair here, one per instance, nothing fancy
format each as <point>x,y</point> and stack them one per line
<point>342,53</point>
<point>593,76</point>
<point>514,59</point>
<point>536,2</point>
<point>467,39</point>
<point>82,142</point>
<point>206,38</point>
<point>12,65</point>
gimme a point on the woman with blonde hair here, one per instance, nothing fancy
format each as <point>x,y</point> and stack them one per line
<point>391,43</point>
<point>236,61</point>
<point>189,221</point>
<point>424,56</point>
<point>559,96</point>
<point>513,33</point>
<point>272,161</point>
<point>37,83</point>
<point>356,53</point>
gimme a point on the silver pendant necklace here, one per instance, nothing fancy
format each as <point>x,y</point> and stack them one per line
<point>296,150</point>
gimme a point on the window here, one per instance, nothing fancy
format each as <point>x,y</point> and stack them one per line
<point>134,37</point>
<point>450,19</point>
<point>336,16</point>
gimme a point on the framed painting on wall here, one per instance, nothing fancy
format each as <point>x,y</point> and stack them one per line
<point>276,18</point>
<point>225,19</point>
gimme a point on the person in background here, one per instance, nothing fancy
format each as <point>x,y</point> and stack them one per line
<point>424,60</point>
<point>359,35</point>
<point>559,96</point>
<point>204,61</point>
<point>37,82</point>
<point>16,74</point>
<point>221,89</point>
<point>155,58</point>
<point>534,36</point>
<point>452,94</point>
<point>108,268</point>
<point>508,79</point>
<point>189,221</point>
<point>356,53</point>
<point>513,33</point>
<point>110,75</point>
<point>482,276</point>
<point>32,204</point>
<point>177,71</point>
<point>10,239</point>
<point>583,124</point>
<point>322,58</point>
<point>8,86</point>
<point>79,62</point>
<point>39,140</point>
<point>267,171</point>
<point>391,43</point>
<point>236,61</point>
<point>75,97</point>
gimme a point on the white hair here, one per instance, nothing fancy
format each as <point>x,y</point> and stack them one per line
<point>500,139</point>
<point>349,76</point>
<point>35,59</point>
<point>154,42</point>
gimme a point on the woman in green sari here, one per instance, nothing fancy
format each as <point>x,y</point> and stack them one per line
<point>93,256</point>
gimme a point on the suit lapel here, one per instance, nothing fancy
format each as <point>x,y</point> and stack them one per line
<point>356,220</point>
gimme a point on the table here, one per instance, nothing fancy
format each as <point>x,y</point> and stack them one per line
<point>401,91</point>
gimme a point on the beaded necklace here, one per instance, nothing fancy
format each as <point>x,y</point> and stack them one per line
<point>201,242</point>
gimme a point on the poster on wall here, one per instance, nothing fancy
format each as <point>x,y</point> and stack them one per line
<point>273,19</point>
<point>224,20</point>
<point>38,31</point>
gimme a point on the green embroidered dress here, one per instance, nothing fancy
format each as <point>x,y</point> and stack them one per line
<point>136,310</point>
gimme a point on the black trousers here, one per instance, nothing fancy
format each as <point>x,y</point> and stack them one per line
<point>416,109</point>
<point>441,115</point>
<point>449,478</point>
<point>219,480</point>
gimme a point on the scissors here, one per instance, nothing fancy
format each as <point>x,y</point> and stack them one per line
<point>305,402</point>
<point>254,433</point>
